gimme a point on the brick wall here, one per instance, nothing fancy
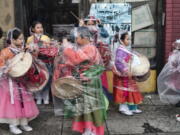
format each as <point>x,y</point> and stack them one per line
<point>172,27</point>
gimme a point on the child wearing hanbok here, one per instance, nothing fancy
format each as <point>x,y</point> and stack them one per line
<point>126,92</point>
<point>17,106</point>
<point>35,41</point>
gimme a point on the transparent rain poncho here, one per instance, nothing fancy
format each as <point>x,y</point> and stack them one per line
<point>19,91</point>
<point>91,98</point>
<point>13,86</point>
<point>169,80</point>
<point>85,65</point>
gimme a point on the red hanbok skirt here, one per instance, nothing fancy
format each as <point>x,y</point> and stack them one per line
<point>126,91</point>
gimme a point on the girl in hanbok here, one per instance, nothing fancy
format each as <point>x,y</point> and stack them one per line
<point>89,109</point>
<point>17,106</point>
<point>36,41</point>
<point>126,92</point>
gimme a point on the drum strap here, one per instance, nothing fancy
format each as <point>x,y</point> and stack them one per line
<point>20,94</point>
<point>125,50</point>
<point>15,50</point>
<point>11,90</point>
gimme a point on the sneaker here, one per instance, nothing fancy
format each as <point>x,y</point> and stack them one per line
<point>88,132</point>
<point>26,128</point>
<point>137,111</point>
<point>123,107</point>
<point>127,112</point>
<point>46,102</point>
<point>15,130</point>
<point>39,102</point>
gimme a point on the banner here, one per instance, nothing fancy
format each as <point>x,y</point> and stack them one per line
<point>124,1</point>
<point>114,16</point>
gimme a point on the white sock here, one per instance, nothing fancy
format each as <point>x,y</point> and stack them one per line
<point>123,107</point>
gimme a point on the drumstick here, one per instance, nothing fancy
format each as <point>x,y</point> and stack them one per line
<point>25,50</point>
<point>24,54</point>
<point>74,15</point>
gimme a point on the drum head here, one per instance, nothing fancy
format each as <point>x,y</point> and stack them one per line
<point>67,88</point>
<point>20,64</point>
<point>140,65</point>
<point>38,79</point>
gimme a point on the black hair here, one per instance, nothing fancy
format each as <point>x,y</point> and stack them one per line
<point>123,36</point>
<point>34,25</point>
<point>84,32</point>
<point>1,32</point>
<point>86,22</point>
<point>13,34</point>
<point>61,35</point>
<point>100,25</point>
<point>116,38</point>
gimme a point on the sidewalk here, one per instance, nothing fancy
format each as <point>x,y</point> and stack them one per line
<point>156,119</point>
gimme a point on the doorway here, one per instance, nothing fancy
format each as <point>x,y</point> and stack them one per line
<point>49,12</point>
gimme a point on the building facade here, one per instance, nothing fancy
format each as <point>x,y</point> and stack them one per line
<point>7,17</point>
<point>21,13</point>
<point>172,24</point>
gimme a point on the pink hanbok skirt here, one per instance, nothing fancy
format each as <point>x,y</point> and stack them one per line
<point>23,106</point>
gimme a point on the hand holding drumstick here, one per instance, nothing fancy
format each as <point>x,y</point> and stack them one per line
<point>81,21</point>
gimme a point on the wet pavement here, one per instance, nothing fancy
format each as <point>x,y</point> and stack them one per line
<point>157,119</point>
